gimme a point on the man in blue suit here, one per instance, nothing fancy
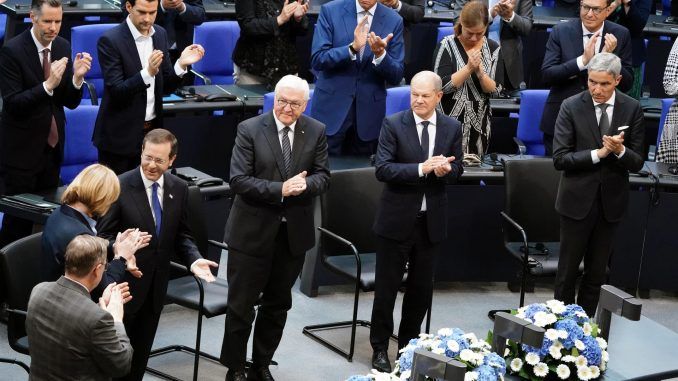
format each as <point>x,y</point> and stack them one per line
<point>353,63</point>
<point>416,158</point>
<point>569,49</point>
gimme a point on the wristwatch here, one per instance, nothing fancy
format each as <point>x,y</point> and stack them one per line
<point>353,51</point>
<point>123,260</point>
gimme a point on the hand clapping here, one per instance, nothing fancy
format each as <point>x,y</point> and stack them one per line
<point>57,70</point>
<point>294,186</point>
<point>377,44</point>
<point>81,65</point>
<point>191,54</point>
<point>439,165</point>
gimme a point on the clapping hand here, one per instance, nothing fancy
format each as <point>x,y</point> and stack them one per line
<point>81,65</point>
<point>57,70</point>
<point>295,186</point>
<point>114,304</point>
<point>191,54</point>
<point>124,292</point>
<point>474,60</point>
<point>154,61</point>
<point>440,165</point>
<point>288,10</point>
<point>390,3</point>
<point>377,44</point>
<point>504,8</point>
<point>610,43</point>
<point>590,48</point>
<point>201,269</point>
<point>614,143</point>
<point>174,4</point>
<point>360,34</point>
<point>301,10</point>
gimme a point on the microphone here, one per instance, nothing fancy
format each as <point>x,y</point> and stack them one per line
<point>447,4</point>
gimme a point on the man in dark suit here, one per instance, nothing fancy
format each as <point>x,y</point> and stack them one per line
<point>36,82</point>
<point>598,140</point>
<point>570,47</point>
<point>137,71</point>
<point>279,165</point>
<point>514,24</point>
<point>154,201</point>
<point>71,337</point>
<point>412,12</point>
<point>416,158</point>
<point>355,52</point>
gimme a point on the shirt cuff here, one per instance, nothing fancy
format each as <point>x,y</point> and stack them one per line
<point>76,85</point>
<point>353,56</point>
<point>178,70</point>
<point>146,77</point>
<point>377,60</point>
<point>580,63</point>
<point>50,93</point>
<point>420,169</point>
<point>594,156</point>
<point>622,153</point>
<point>513,15</point>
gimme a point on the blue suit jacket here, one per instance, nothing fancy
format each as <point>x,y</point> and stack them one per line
<point>560,71</point>
<point>397,161</point>
<point>340,79</point>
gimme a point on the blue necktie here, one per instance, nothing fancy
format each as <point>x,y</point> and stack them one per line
<point>157,210</point>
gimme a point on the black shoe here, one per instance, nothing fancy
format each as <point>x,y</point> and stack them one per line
<point>380,361</point>
<point>236,375</point>
<point>260,374</point>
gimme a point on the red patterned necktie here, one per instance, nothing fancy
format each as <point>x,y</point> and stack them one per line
<point>53,137</point>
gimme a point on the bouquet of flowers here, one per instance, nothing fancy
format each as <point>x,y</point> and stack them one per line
<point>481,363</point>
<point>571,348</point>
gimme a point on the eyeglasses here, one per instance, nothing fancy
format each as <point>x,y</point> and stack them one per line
<point>149,159</point>
<point>596,10</point>
<point>293,105</point>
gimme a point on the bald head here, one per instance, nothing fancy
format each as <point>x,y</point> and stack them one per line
<point>428,77</point>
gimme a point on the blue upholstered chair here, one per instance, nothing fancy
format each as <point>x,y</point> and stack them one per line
<point>268,102</point>
<point>397,99</point>
<point>666,7</point>
<point>444,31</point>
<point>218,38</point>
<point>528,134</point>
<point>3,22</point>
<point>84,39</point>
<point>79,151</point>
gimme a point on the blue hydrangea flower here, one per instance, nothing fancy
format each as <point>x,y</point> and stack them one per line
<point>495,361</point>
<point>359,378</point>
<point>405,360</point>
<point>592,352</point>
<point>543,351</point>
<point>571,313</point>
<point>486,373</point>
<point>574,332</point>
<point>532,309</point>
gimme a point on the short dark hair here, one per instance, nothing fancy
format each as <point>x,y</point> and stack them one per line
<point>132,2</point>
<point>36,5</point>
<point>160,136</point>
<point>84,253</point>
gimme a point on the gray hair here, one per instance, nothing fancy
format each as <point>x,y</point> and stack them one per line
<point>605,62</point>
<point>292,82</point>
<point>429,76</point>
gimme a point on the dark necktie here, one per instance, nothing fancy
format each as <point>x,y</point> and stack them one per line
<point>157,210</point>
<point>53,137</point>
<point>424,139</point>
<point>604,123</point>
<point>287,151</point>
<point>588,35</point>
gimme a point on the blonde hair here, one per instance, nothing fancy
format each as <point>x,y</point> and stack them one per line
<point>97,187</point>
<point>472,14</point>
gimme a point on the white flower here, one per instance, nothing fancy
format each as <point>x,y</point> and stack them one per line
<point>581,314</point>
<point>556,306</point>
<point>540,319</point>
<point>383,377</point>
<point>584,373</point>
<point>562,333</point>
<point>563,371</point>
<point>601,342</point>
<point>555,352</point>
<point>605,356</point>
<point>424,335</point>
<point>405,376</point>
<point>552,334</point>
<point>540,370</point>
<point>587,329</point>
<point>444,332</point>
<point>603,366</point>
<point>471,376</point>
<point>580,345</point>
<point>478,359</point>
<point>438,350</point>
<point>453,346</point>
<point>557,344</point>
<point>466,355</point>
<point>506,352</point>
<point>581,361</point>
<point>471,337</point>
<point>568,358</point>
<point>531,358</point>
<point>516,364</point>
<point>595,371</point>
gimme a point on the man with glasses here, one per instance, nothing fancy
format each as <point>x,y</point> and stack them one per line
<point>156,202</point>
<point>569,50</point>
<point>279,165</point>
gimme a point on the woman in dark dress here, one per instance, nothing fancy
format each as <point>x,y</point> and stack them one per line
<point>467,62</point>
<point>266,50</point>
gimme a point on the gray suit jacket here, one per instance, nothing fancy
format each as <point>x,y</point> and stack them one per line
<point>71,337</point>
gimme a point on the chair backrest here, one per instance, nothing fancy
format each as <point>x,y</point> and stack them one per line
<point>269,97</point>
<point>3,23</point>
<point>84,39</point>
<point>666,7</point>
<point>219,39</point>
<point>531,189</point>
<point>444,31</point>
<point>397,99</point>
<point>532,104</point>
<point>79,151</point>
<point>20,264</point>
<point>666,105</point>
<point>348,209</point>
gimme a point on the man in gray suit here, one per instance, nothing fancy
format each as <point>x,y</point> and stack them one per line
<point>71,337</point>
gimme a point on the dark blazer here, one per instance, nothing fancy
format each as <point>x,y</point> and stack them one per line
<point>341,81</point>
<point>510,39</point>
<point>576,134</point>
<point>119,125</point>
<point>397,160</point>
<point>560,71</point>
<point>180,27</point>
<point>64,224</point>
<point>257,169</point>
<point>27,109</point>
<point>132,210</point>
<point>412,11</point>
<point>635,21</point>
<point>72,338</point>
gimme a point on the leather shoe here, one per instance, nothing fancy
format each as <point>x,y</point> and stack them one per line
<point>260,374</point>
<point>236,375</point>
<point>380,361</point>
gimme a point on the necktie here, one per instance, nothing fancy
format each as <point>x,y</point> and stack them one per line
<point>367,29</point>
<point>424,139</point>
<point>53,137</point>
<point>604,123</point>
<point>287,151</point>
<point>588,35</point>
<point>157,210</point>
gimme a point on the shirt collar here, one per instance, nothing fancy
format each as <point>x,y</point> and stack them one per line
<point>360,8</point>
<point>418,120</point>
<point>135,32</point>
<point>148,183</point>
<point>609,101</point>
<point>280,125</point>
<point>78,283</point>
<point>586,31</point>
<point>38,45</point>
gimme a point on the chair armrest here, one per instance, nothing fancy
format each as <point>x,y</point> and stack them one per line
<point>522,148</point>
<point>92,93</point>
<point>17,312</point>
<point>520,229</point>
<point>218,244</point>
<point>187,271</point>
<point>202,76</point>
<point>345,242</point>
<point>180,267</point>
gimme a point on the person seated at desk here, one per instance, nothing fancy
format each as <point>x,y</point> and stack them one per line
<point>667,152</point>
<point>467,62</point>
<point>266,50</point>
<point>89,196</point>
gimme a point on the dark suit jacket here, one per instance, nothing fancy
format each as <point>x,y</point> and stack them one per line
<point>397,160</point>
<point>635,21</point>
<point>132,210</point>
<point>576,134</point>
<point>180,27</point>
<point>257,169</point>
<point>560,71</point>
<point>119,125</point>
<point>412,11</point>
<point>64,224</point>
<point>510,39</point>
<point>27,109</point>
<point>341,81</point>
<point>72,338</point>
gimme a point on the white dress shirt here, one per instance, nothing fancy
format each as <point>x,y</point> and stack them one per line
<point>290,134</point>
<point>599,113</point>
<point>585,40</point>
<point>40,48</point>
<point>431,143</point>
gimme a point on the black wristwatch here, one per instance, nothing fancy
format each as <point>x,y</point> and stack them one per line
<point>123,260</point>
<point>353,51</point>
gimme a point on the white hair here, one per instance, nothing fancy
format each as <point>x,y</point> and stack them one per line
<point>292,82</point>
<point>605,62</point>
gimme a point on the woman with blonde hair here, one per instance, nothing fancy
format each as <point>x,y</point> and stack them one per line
<point>88,197</point>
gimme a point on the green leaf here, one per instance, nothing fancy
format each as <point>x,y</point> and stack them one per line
<point>490,337</point>
<point>523,373</point>
<point>575,352</point>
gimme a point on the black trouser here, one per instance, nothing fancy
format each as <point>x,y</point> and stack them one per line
<point>590,239</point>
<point>346,140</point>
<point>392,257</point>
<point>270,274</point>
